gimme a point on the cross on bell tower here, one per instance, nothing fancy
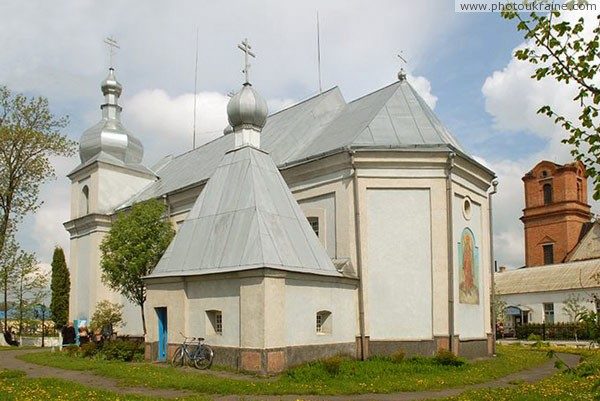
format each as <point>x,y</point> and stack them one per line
<point>112,46</point>
<point>245,47</point>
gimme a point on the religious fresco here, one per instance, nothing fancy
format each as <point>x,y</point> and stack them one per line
<point>468,259</point>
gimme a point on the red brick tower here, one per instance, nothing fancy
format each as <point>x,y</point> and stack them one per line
<point>555,211</point>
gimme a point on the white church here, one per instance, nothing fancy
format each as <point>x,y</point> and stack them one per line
<point>330,227</point>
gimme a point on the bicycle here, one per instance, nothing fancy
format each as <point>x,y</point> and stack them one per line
<point>194,350</point>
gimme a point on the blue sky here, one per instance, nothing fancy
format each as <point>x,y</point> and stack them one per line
<point>461,64</point>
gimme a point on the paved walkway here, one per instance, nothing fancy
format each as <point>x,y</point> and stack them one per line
<point>8,360</point>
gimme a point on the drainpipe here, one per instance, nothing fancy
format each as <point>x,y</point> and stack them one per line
<point>450,236</point>
<point>167,206</point>
<point>492,263</point>
<point>361,298</point>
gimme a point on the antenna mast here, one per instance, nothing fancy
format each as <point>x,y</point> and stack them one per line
<point>319,52</point>
<point>195,91</point>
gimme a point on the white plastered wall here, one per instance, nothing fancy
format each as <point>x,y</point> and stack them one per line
<point>304,298</point>
<point>399,252</point>
<point>534,303</point>
<point>169,294</point>
<point>472,321</point>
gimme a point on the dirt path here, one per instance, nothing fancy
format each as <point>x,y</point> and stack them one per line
<point>8,360</point>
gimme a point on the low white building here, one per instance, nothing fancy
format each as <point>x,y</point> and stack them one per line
<point>540,294</point>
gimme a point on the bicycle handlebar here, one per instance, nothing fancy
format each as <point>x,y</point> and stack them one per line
<point>191,338</point>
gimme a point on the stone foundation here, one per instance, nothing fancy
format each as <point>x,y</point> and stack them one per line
<point>275,360</point>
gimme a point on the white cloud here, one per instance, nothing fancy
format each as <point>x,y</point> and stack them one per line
<point>157,118</point>
<point>423,88</point>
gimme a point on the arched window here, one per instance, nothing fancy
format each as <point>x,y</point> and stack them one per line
<point>85,200</point>
<point>547,194</point>
<point>579,195</point>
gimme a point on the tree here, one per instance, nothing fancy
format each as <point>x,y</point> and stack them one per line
<point>29,136</point>
<point>60,287</point>
<point>573,307</point>
<point>106,314</point>
<point>499,307</point>
<point>7,274</point>
<point>132,249</point>
<point>568,53</point>
<point>22,282</point>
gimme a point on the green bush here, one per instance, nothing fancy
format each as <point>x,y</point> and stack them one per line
<point>123,350</point>
<point>88,350</point>
<point>534,337</point>
<point>447,358</point>
<point>333,365</point>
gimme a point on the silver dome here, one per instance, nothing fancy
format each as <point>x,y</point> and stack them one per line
<point>247,109</point>
<point>109,136</point>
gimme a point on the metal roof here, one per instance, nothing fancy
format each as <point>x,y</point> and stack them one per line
<point>245,218</point>
<point>589,246</point>
<point>108,136</point>
<point>392,117</point>
<point>559,277</point>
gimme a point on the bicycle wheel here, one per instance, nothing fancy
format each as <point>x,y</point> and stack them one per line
<point>177,359</point>
<point>203,357</point>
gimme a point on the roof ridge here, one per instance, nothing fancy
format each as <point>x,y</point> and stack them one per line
<point>302,101</point>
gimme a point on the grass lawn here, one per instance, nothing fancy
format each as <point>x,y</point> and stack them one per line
<point>579,384</point>
<point>15,387</point>
<point>347,377</point>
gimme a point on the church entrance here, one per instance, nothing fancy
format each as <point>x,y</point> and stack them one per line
<point>163,338</point>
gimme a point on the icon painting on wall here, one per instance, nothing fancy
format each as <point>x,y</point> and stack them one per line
<point>468,258</point>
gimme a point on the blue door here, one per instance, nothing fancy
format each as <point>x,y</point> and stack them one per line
<point>163,339</point>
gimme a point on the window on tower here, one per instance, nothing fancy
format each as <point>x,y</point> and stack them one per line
<point>85,200</point>
<point>547,194</point>
<point>548,254</point>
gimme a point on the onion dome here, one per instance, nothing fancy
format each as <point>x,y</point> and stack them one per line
<point>247,110</point>
<point>109,137</point>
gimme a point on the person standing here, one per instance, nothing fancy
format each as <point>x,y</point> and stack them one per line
<point>68,334</point>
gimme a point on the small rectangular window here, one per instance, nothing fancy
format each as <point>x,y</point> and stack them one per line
<point>548,254</point>
<point>323,322</point>
<point>548,313</point>
<point>214,322</point>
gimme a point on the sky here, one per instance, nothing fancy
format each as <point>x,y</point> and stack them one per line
<point>460,63</point>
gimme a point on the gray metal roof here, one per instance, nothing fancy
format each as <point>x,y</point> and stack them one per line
<point>392,117</point>
<point>245,218</point>
<point>589,246</point>
<point>559,277</point>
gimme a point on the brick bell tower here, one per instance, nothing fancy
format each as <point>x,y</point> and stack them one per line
<point>555,211</point>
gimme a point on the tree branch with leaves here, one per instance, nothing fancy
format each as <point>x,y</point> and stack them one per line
<point>568,52</point>
<point>29,135</point>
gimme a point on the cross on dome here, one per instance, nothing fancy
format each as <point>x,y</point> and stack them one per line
<point>112,46</point>
<point>245,47</point>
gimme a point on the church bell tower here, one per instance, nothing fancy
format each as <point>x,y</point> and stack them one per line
<point>110,173</point>
<point>555,211</point>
